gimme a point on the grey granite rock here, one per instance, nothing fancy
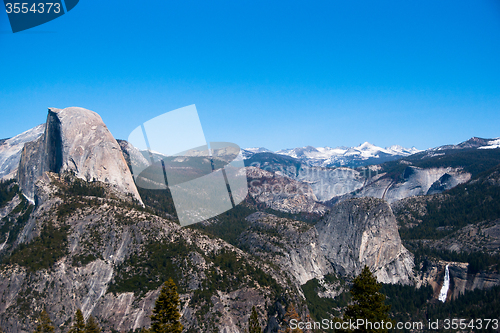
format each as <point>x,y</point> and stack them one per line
<point>360,232</point>
<point>354,233</point>
<point>75,140</point>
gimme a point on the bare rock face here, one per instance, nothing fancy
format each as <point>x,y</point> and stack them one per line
<point>355,233</point>
<point>417,181</point>
<point>327,183</point>
<point>290,244</point>
<point>133,156</point>
<point>360,232</point>
<point>76,140</point>
<point>10,151</point>
<point>282,193</point>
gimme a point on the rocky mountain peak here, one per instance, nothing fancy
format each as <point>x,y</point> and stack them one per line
<point>76,140</point>
<point>474,142</point>
<point>364,154</point>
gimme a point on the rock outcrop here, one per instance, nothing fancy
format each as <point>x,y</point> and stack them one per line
<point>329,183</point>
<point>292,245</point>
<point>360,232</point>
<point>282,193</point>
<point>416,181</point>
<point>481,237</point>
<point>75,140</point>
<point>354,233</point>
<point>10,151</point>
<point>134,158</point>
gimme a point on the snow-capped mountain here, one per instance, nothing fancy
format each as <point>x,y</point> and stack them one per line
<point>249,152</point>
<point>474,142</point>
<point>492,144</point>
<point>366,153</point>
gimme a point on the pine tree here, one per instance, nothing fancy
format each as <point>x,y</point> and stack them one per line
<point>253,322</point>
<point>290,314</point>
<point>166,316</point>
<point>369,302</point>
<point>45,325</point>
<point>78,324</point>
<point>92,326</point>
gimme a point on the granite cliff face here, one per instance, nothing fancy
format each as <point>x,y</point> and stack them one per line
<point>362,232</point>
<point>354,233</point>
<point>134,158</point>
<point>76,140</point>
<point>292,245</point>
<point>416,181</point>
<point>330,183</point>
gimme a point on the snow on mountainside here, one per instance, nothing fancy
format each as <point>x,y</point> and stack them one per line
<point>475,142</point>
<point>249,152</point>
<point>472,143</point>
<point>342,156</point>
<point>366,153</point>
<point>492,144</point>
<point>10,151</point>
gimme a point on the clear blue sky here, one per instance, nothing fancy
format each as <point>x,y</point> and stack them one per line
<point>278,74</point>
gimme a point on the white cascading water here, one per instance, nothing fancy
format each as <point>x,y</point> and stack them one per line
<point>6,239</point>
<point>446,285</point>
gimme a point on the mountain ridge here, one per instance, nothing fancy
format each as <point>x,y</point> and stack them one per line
<point>339,156</point>
<point>366,153</point>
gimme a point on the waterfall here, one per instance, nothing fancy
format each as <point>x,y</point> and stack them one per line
<point>446,285</point>
<point>6,239</point>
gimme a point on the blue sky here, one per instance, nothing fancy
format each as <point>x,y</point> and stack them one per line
<point>278,74</point>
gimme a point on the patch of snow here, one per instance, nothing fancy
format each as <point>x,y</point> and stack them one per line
<point>490,147</point>
<point>492,144</point>
<point>325,156</point>
<point>10,151</point>
<point>249,152</point>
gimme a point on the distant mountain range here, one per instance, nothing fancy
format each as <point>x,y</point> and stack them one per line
<point>364,154</point>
